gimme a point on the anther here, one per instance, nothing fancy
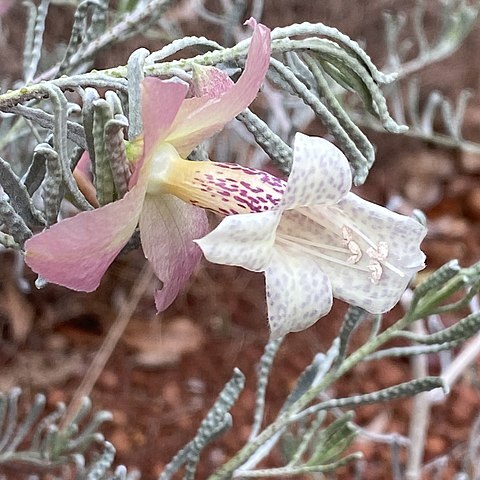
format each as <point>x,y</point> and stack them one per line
<point>353,247</point>
<point>376,271</point>
<point>379,253</point>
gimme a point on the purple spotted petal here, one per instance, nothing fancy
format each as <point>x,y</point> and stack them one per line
<point>168,228</point>
<point>320,173</point>
<point>243,240</point>
<point>225,188</point>
<point>298,292</point>
<point>352,282</point>
<point>403,234</point>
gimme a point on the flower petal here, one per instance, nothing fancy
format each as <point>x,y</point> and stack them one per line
<point>243,240</point>
<point>168,227</point>
<point>298,292</point>
<point>352,282</point>
<point>200,118</point>
<point>84,178</point>
<point>402,234</point>
<point>77,251</point>
<point>320,173</point>
<point>161,101</point>
<point>357,289</point>
<point>225,188</point>
<point>5,5</point>
<point>209,82</point>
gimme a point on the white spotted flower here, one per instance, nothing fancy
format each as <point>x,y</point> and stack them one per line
<point>320,242</point>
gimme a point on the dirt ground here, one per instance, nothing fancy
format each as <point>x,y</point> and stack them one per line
<point>167,370</point>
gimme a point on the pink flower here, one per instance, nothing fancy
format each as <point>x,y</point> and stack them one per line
<point>76,252</point>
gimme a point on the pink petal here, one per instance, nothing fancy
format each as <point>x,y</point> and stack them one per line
<point>168,227</point>
<point>161,101</point>
<point>84,178</point>
<point>77,251</point>
<point>5,6</point>
<point>85,166</point>
<point>200,118</point>
<point>209,82</point>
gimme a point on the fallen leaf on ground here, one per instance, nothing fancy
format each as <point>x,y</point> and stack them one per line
<point>159,344</point>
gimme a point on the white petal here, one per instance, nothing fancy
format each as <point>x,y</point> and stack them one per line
<point>320,173</point>
<point>298,292</point>
<point>357,288</point>
<point>243,240</point>
<point>352,282</point>
<point>402,234</point>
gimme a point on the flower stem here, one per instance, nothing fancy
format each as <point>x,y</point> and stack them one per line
<point>242,456</point>
<point>418,310</point>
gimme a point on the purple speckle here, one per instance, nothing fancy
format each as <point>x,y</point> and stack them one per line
<point>259,191</point>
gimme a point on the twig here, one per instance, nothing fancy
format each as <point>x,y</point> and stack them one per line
<point>125,28</point>
<point>109,344</point>
<point>420,414</point>
<point>462,361</point>
<point>469,353</point>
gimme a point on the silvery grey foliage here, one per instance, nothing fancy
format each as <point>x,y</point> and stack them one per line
<point>52,188</point>
<point>269,141</point>
<point>457,19</point>
<point>41,440</point>
<point>16,231</point>
<point>264,368</point>
<point>107,118</point>
<point>84,31</point>
<point>102,114</point>
<point>353,318</point>
<point>304,408</point>
<point>215,423</point>
<point>313,67</point>
<point>18,195</point>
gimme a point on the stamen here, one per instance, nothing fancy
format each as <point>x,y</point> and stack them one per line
<point>347,235</point>
<point>315,253</point>
<point>380,253</point>
<point>381,248</point>
<point>305,241</point>
<point>338,221</point>
<point>356,252</point>
<point>353,247</point>
<point>346,223</point>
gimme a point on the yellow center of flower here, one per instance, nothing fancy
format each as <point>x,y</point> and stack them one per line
<point>224,188</point>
